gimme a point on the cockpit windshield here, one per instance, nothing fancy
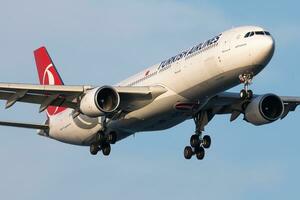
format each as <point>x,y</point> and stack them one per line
<point>250,34</point>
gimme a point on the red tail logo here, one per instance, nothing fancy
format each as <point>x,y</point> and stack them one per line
<point>48,75</point>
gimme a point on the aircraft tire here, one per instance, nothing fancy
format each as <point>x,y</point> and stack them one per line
<point>94,149</point>
<point>106,148</point>
<point>243,94</point>
<point>200,153</point>
<point>206,142</point>
<point>195,141</point>
<point>188,152</point>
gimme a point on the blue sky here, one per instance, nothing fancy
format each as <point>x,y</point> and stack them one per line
<point>95,42</point>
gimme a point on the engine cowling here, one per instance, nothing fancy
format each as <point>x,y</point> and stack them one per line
<point>264,109</point>
<point>100,101</point>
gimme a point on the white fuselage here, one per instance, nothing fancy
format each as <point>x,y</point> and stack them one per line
<point>194,76</point>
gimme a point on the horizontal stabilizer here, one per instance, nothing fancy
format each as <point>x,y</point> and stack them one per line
<point>24,125</point>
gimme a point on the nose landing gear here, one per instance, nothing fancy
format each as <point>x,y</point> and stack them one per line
<point>246,79</point>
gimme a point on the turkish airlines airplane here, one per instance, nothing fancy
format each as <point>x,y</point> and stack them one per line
<point>189,85</point>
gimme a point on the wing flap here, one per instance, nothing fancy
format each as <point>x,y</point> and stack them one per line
<point>41,99</point>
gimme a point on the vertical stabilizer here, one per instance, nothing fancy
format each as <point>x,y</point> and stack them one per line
<point>48,75</point>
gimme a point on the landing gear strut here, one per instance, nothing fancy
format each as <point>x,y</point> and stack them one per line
<point>246,79</point>
<point>197,142</point>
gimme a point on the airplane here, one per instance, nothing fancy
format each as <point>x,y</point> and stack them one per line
<point>189,85</point>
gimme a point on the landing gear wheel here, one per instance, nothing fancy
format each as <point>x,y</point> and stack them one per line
<point>188,152</point>
<point>243,94</point>
<point>112,137</point>
<point>106,149</point>
<point>94,149</point>
<point>200,153</point>
<point>249,94</point>
<point>206,142</point>
<point>195,141</point>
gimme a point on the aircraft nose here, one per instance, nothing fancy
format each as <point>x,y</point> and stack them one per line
<point>263,51</point>
<point>268,46</point>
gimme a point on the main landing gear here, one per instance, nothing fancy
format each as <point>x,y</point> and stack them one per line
<point>103,143</point>
<point>245,93</point>
<point>198,143</point>
<point>198,146</point>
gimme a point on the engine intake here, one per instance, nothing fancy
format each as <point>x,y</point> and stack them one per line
<point>107,99</point>
<point>100,101</point>
<point>264,109</point>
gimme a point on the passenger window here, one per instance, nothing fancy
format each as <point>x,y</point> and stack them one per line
<point>247,35</point>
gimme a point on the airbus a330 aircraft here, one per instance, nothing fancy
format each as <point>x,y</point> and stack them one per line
<point>190,85</point>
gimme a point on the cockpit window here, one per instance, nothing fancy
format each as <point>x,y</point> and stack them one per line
<point>247,35</point>
<point>259,33</point>
<point>250,34</point>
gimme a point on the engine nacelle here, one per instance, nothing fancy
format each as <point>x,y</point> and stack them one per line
<point>100,101</point>
<point>264,109</point>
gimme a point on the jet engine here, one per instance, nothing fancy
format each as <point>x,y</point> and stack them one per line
<point>264,109</point>
<point>100,101</point>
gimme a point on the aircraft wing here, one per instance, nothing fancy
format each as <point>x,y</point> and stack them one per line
<point>45,95</point>
<point>69,96</point>
<point>230,103</point>
<point>25,125</point>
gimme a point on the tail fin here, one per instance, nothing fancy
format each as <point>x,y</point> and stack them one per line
<point>48,75</point>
